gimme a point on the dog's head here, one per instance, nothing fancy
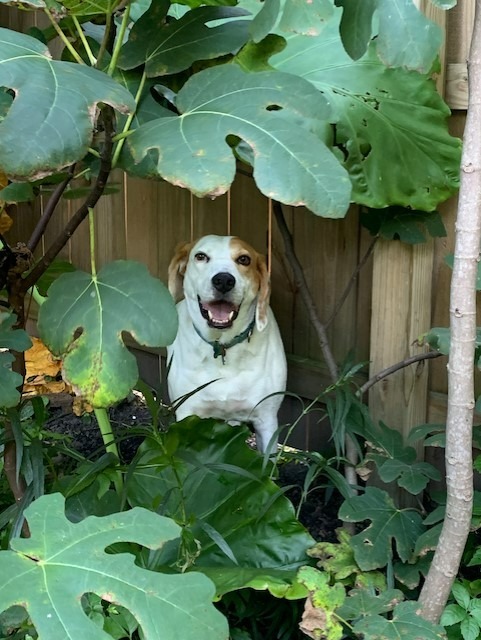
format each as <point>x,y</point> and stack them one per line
<point>221,278</point>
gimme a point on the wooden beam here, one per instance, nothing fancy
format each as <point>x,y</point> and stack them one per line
<point>457,85</point>
<point>401,311</point>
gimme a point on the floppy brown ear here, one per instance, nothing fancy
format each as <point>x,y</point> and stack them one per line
<point>177,268</point>
<point>263,295</point>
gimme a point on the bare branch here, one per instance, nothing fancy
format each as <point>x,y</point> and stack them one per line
<point>81,213</point>
<point>352,282</point>
<point>303,288</point>
<point>48,211</point>
<point>420,357</point>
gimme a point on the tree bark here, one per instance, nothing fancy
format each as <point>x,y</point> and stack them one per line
<point>459,468</point>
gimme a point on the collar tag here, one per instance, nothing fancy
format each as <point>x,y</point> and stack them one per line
<point>220,349</point>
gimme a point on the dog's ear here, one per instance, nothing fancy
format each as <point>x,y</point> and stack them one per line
<point>264,293</point>
<point>177,268</point>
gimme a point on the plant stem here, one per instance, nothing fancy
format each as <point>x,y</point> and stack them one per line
<point>82,212</point>
<point>301,283</point>
<point>110,444</point>
<point>459,422</point>
<point>49,210</point>
<point>128,122</point>
<point>351,282</point>
<point>83,39</point>
<point>420,357</point>
<point>64,38</point>
<point>37,296</point>
<point>119,40</point>
<point>93,267</point>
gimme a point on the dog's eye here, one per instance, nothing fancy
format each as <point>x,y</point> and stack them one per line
<point>245,260</point>
<point>201,257</point>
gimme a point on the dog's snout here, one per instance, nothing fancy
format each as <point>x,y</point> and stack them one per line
<point>223,282</point>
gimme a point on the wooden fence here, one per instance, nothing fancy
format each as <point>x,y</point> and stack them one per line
<point>400,293</point>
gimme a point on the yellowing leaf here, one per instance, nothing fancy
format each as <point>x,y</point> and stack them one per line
<point>5,222</point>
<point>43,371</point>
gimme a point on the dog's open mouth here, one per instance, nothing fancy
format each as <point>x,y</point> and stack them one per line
<point>220,314</point>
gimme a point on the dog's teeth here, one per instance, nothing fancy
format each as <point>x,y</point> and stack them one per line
<point>209,313</point>
<point>231,315</point>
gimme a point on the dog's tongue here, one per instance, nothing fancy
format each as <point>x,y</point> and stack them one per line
<point>221,311</point>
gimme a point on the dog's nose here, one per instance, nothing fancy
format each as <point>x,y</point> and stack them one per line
<point>223,282</point>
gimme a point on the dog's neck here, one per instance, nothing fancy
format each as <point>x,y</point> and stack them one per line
<point>220,348</point>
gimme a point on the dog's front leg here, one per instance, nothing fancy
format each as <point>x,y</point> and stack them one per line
<point>266,434</point>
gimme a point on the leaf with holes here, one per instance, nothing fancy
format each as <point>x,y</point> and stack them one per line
<point>58,131</point>
<point>397,223</point>
<point>297,16</point>
<point>170,47</point>
<point>291,164</point>
<point>123,296</point>
<point>373,547</point>
<point>17,340</point>
<point>49,573</point>
<point>405,623</point>
<point>394,460</point>
<point>375,107</point>
<point>405,38</point>
<point>366,602</point>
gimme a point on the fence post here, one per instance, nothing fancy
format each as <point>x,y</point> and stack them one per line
<point>401,311</point>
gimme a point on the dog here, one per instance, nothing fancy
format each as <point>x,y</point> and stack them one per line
<point>228,338</point>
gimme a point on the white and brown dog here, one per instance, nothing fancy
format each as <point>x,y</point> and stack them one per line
<point>227,336</point>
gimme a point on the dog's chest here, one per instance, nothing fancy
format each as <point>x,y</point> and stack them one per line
<point>236,379</point>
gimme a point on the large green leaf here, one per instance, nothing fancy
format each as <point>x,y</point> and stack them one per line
<point>49,573</point>
<point>89,7</point>
<point>123,296</point>
<point>376,126</point>
<point>395,460</point>
<point>263,109</point>
<point>373,546</point>
<point>366,602</point>
<point>35,4</point>
<point>50,123</point>
<point>297,16</point>
<point>168,48</point>
<point>397,223</point>
<point>16,340</point>
<point>206,477</point>
<point>148,110</point>
<point>405,38</point>
<point>405,623</point>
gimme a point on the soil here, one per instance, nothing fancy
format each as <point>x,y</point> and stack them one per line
<point>318,513</point>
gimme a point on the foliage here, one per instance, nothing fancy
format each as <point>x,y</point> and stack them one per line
<point>102,305</point>
<point>10,339</point>
<point>49,572</point>
<point>209,481</point>
<point>348,107</point>
<point>373,546</point>
<point>183,93</point>
<point>406,225</point>
<point>464,614</point>
<point>374,106</point>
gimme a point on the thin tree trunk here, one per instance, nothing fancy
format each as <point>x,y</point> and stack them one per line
<point>459,469</point>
